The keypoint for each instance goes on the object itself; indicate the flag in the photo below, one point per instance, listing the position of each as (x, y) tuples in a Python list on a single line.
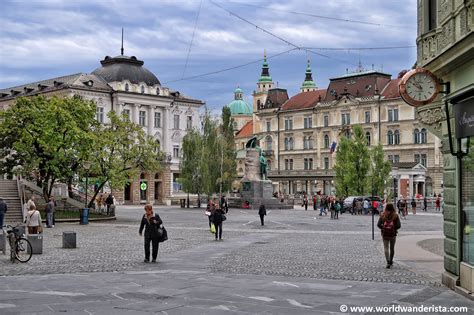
[(333, 147)]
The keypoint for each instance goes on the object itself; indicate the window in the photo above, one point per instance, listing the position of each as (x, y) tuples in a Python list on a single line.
[(420, 158), (308, 163), (189, 123), (269, 126), (157, 120), (326, 120), (396, 137), (307, 142), (310, 142), (346, 119), (99, 114), (326, 163), (291, 164), (367, 117), (288, 164), (308, 122), (176, 121), (258, 103), (423, 136), (390, 158), (390, 137), (291, 144), (127, 87), (288, 123), (126, 113), (432, 18), (287, 144), (367, 137), (416, 136), (157, 91), (393, 114), (396, 158), (176, 151), (142, 89), (141, 118), (326, 141), (268, 143)]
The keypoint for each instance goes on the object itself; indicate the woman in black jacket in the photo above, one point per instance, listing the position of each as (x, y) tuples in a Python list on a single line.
[(151, 222), (217, 218)]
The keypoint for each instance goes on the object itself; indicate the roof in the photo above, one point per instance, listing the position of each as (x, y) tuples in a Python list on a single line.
[(360, 84), (305, 100), (120, 68), (77, 80), (239, 107), (391, 89), (276, 97), (246, 131)]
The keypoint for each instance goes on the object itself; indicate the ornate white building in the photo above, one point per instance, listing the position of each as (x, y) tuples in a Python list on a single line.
[(123, 85)]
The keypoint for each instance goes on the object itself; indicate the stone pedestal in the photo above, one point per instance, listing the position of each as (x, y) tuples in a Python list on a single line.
[(69, 239)]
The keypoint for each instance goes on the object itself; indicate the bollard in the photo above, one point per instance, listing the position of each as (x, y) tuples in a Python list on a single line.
[(69, 239), (36, 241)]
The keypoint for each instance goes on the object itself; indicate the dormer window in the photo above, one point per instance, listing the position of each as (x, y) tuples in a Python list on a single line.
[(127, 87)]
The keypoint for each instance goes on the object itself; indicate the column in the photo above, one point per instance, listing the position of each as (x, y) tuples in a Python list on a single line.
[(134, 113), (166, 131), (151, 117), (410, 187)]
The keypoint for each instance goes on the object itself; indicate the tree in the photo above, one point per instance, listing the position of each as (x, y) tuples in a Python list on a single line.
[(46, 139), (344, 168), (379, 170), (228, 155), (209, 164), (190, 176), (122, 150)]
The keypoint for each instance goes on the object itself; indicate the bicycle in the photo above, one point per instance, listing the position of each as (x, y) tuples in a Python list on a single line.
[(20, 247)]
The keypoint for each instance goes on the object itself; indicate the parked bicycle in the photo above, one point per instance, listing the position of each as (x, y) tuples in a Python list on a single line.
[(20, 247)]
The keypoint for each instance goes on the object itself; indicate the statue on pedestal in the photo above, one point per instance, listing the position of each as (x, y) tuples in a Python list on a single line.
[(249, 163)]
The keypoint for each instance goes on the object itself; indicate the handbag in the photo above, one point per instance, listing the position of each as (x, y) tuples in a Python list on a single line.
[(223, 217), (164, 235), (40, 229), (213, 228)]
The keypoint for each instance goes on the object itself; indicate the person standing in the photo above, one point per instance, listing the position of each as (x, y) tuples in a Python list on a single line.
[(366, 206), (33, 221), (413, 206), (262, 212), (425, 204), (438, 203), (3, 210), (109, 201), (389, 224), (217, 219), (151, 222), (305, 203), (315, 202), (50, 207)]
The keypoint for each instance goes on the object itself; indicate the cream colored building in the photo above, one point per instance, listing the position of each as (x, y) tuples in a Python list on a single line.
[(297, 133)]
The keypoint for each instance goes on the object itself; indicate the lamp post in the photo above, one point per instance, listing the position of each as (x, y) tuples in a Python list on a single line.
[(373, 194), (85, 212)]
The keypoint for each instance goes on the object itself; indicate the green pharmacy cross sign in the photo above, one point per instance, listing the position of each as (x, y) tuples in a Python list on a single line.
[(143, 186)]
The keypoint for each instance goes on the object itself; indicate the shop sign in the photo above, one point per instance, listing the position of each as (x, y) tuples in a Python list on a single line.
[(464, 115)]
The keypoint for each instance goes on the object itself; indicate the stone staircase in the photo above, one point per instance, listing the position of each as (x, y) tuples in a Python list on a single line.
[(9, 193)]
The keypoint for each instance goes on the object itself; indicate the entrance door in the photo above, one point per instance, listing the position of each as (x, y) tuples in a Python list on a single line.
[(127, 192), (158, 192), (143, 191)]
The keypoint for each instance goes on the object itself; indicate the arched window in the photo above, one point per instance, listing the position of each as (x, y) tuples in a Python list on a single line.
[(305, 143), (258, 103), (423, 136), (310, 142), (142, 89), (326, 141), (291, 143), (127, 88), (416, 136), (287, 144), (157, 176), (396, 137), (390, 137), (268, 142), (367, 137), (142, 176), (235, 125)]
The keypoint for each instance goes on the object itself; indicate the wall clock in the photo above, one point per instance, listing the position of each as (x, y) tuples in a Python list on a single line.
[(418, 87)]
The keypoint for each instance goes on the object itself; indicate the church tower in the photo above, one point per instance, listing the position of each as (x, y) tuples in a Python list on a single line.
[(308, 84), (264, 84)]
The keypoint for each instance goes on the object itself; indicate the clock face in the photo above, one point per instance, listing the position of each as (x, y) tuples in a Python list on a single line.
[(419, 87)]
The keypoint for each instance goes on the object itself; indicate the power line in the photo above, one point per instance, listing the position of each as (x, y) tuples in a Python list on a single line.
[(360, 48), (192, 39), (320, 16), (230, 68)]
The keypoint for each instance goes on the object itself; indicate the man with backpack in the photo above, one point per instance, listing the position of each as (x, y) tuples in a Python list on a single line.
[(389, 224)]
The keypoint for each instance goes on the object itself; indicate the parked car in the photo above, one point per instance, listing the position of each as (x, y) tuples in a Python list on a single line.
[(347, 206)]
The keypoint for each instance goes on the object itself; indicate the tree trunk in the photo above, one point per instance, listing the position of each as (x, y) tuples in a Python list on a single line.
[(96, 192)]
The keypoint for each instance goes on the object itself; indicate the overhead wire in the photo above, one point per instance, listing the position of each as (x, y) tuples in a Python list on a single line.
[(192, 39)]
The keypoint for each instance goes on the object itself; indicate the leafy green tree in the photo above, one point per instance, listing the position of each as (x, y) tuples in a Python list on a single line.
[(360, 158), (344, 168), (46, 139), (190, 176), (121, 151), (379, 170), (209, 164), (228, 153)]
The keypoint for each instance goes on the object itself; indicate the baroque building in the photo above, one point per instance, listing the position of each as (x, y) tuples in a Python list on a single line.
[(445, 47), (122, 84), (299, 134)]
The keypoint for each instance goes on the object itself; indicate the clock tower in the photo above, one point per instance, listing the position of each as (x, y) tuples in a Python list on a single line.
[(264, 84)]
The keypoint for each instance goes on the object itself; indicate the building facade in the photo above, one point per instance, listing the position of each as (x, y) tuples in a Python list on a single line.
[(445, 46), (123, 85), (300, 134)]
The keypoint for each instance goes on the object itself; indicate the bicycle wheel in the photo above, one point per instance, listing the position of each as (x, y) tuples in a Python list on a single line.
[(23, 250)]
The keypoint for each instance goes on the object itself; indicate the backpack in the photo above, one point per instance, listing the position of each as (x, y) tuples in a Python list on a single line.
[(388, 229)]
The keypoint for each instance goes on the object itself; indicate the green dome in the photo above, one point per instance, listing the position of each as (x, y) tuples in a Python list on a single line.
[(238, 106)]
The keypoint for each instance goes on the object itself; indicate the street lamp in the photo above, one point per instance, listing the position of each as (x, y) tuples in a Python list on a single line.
[(373, 194), (85, 212)]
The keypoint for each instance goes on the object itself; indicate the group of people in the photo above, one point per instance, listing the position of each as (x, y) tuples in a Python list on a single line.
[(105, 201)]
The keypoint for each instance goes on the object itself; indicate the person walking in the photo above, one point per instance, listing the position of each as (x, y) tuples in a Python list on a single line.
[(438, 203), (389, 224), (3, 210), (305, 203), (413, 206), (359, 206), (50, 207), (33, 221), (366, 206), (262, 212), (315, 202), (151, 222), (401, 205), (425, 204), (217, 217)]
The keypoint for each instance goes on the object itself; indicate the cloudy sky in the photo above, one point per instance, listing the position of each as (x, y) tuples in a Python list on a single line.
[(182, 40)]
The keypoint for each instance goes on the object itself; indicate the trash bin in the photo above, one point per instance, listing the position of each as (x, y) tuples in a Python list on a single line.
[(36, 241), (84, 216), (183, 203)]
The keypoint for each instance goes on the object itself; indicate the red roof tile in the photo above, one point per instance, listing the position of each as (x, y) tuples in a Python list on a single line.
[(304, 100), (391, 89), (246, 131)]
